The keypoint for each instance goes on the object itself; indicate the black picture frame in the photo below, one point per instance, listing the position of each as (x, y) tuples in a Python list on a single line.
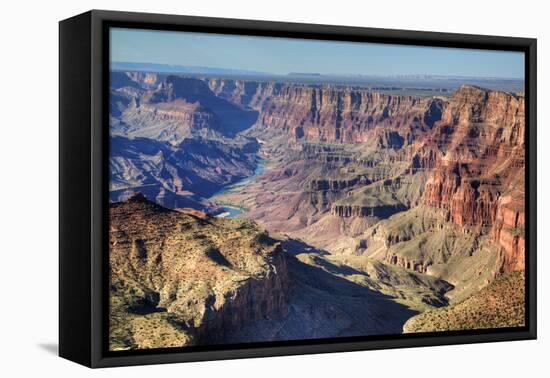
[(83, 196)]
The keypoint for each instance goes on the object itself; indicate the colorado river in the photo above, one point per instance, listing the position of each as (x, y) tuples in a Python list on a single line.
[(230, 210)]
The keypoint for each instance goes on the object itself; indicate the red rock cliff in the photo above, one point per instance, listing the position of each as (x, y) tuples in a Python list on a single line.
[(509, 232), (479, 175), (330, 113)]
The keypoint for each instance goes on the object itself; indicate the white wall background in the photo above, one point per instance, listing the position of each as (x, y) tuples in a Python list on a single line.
[(29, 186)]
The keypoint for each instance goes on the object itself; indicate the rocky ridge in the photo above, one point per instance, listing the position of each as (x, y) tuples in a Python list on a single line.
[(181, 279), (334, 114)]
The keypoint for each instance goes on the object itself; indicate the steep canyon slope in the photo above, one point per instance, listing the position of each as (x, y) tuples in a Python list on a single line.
[(377, 201), (183, 278), (425, 183)]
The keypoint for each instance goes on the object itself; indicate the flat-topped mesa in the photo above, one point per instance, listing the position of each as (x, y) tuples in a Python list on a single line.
[(174, 87), (175, 120), (175, 108), (480, 139), (331, 113), (338, 184), (333, 155)]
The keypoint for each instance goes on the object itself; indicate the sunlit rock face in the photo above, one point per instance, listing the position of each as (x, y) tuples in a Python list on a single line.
[(351, 203), (334, 114)]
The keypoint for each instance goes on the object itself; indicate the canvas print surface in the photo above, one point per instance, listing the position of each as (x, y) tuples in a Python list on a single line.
[(271, 189)]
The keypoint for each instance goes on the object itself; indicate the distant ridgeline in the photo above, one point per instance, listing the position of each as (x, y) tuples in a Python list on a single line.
[(420, 84)]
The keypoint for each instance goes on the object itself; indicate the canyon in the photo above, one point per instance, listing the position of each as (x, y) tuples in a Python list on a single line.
[(371, 209)]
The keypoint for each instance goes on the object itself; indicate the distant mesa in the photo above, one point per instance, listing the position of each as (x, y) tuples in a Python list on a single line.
[(311, 74), (181, 69)]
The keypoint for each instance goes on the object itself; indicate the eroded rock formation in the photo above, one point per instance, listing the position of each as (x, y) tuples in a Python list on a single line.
[(480, 177), (334, 114), (189, 278), (416, 188)]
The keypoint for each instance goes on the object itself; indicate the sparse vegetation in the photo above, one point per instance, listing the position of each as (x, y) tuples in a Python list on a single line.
[(499, 305), (517, 231), (191, 269)]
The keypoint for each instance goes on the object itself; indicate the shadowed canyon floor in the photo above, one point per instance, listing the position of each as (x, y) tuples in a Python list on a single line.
[(353, 212)]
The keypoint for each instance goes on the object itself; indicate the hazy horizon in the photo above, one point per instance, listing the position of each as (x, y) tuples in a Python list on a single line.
[(412, 75), (283, 56)]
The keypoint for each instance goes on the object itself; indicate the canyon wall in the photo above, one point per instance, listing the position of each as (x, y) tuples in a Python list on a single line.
[(201, 275), (479, 177), (333, 114), (471, 144), (461, 154), (509, 231), (434, 186)]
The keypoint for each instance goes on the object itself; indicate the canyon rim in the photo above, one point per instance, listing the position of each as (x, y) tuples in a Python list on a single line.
[(249, 206)]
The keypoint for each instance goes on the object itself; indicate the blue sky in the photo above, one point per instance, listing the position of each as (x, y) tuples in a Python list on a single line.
[(284, 55)]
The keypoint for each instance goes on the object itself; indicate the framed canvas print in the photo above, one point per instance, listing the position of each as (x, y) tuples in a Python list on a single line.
[(233, 188)]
